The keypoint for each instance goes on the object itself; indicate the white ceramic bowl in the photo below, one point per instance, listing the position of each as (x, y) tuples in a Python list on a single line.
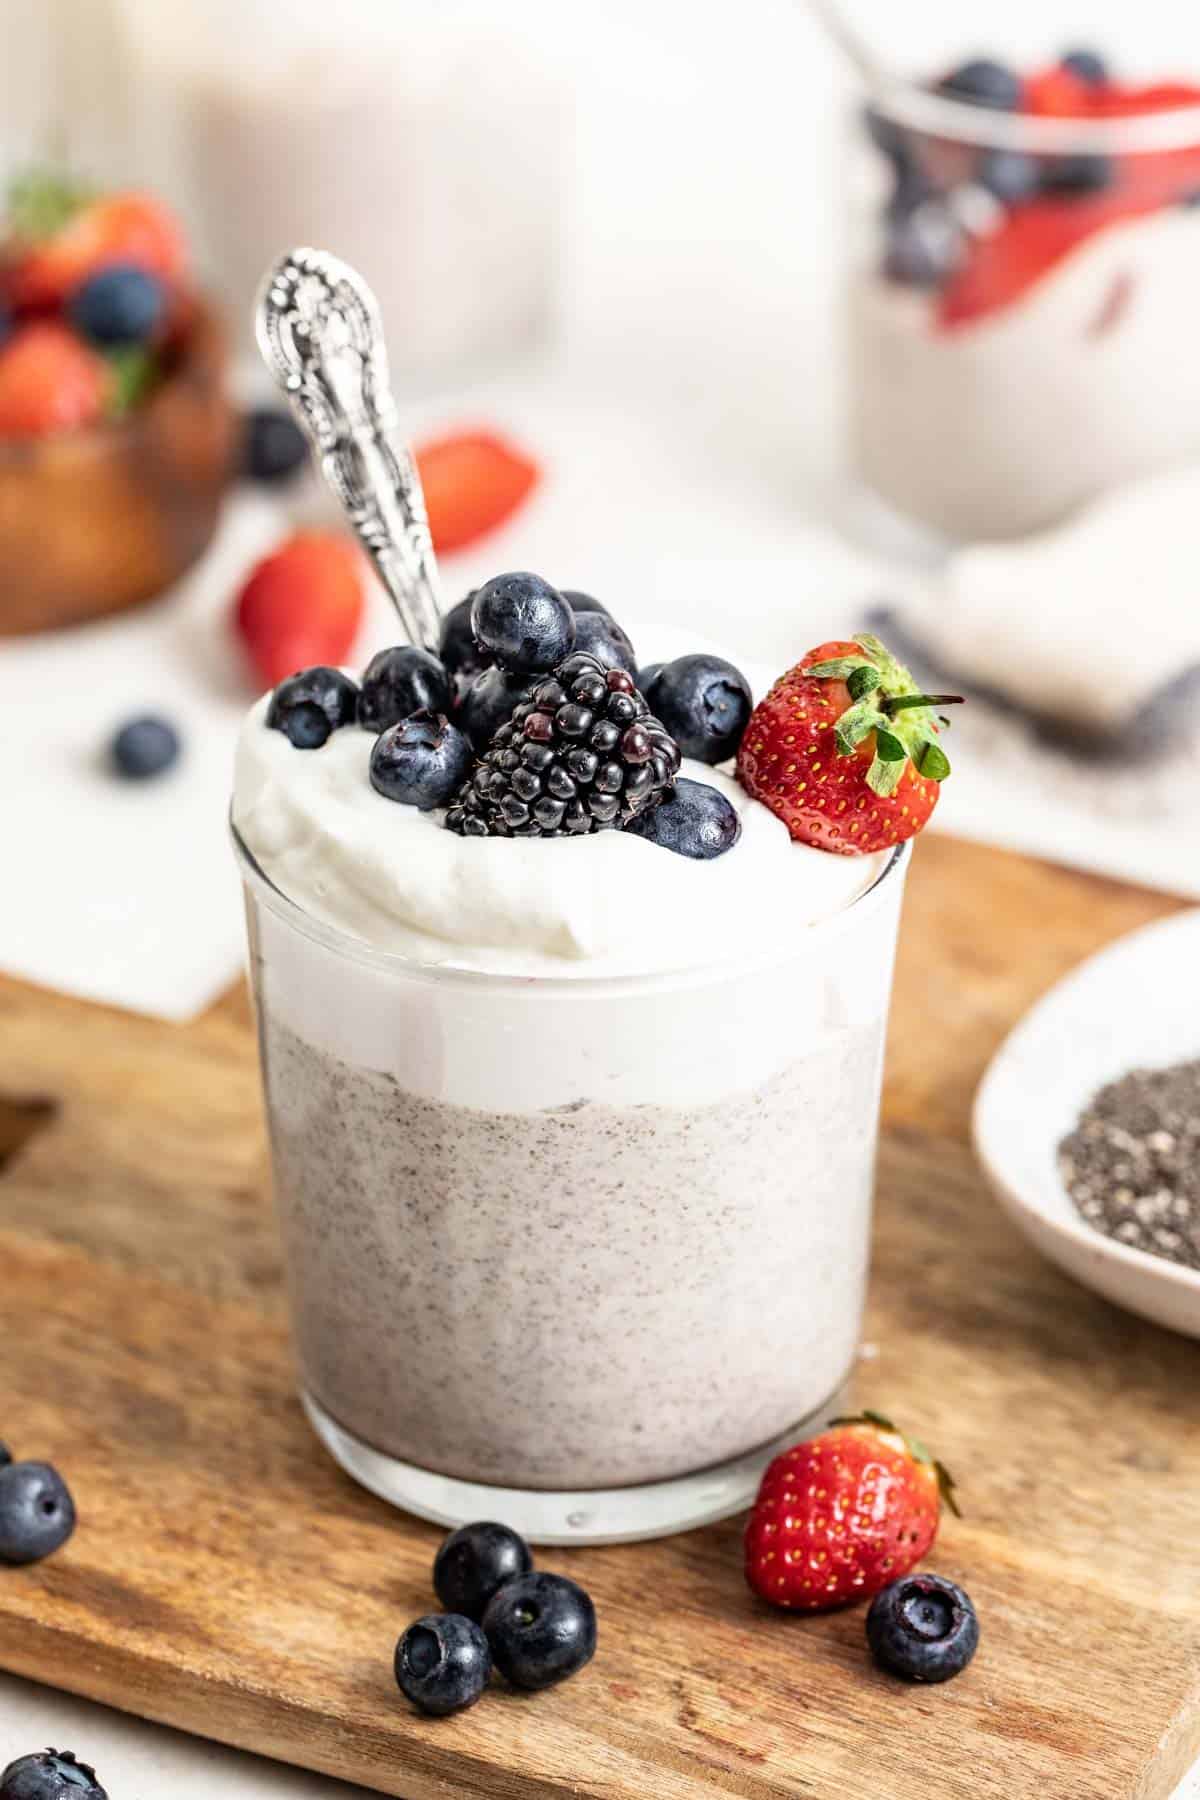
[(1133, 1005)]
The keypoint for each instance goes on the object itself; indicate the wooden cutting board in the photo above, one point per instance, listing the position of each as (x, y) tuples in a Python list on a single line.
[(227, 1578)]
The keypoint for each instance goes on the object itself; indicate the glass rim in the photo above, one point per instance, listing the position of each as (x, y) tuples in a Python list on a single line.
[(344, 943), (935, 115)]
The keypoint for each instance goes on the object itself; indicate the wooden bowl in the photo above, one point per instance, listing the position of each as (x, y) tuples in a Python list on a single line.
[(99, 520)]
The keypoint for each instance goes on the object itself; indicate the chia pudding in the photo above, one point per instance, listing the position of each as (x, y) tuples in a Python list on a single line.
[(584, 1296), (573, 1140)]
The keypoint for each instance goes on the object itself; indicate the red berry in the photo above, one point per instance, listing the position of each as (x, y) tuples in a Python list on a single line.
[(302, 605), (856, 797), (840, 1517), (50, 381), (473, 481), (119, 228)]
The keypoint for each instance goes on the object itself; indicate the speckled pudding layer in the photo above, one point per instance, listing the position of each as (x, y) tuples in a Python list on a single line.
[(584, 1297)]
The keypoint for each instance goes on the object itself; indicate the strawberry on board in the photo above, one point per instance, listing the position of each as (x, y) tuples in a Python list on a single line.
[(60, 236), (50, 381), (302, 605), (844, 749), (473, 481), (840, 1517)]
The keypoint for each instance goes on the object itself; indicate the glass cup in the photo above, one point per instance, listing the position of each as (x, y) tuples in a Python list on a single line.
[(1021, 334), (576, 1254)]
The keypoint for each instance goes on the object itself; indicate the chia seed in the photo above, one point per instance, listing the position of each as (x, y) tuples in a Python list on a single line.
[(1132, 1163)]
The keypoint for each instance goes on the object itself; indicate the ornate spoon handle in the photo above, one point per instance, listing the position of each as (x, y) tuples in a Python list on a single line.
[(320, 334)]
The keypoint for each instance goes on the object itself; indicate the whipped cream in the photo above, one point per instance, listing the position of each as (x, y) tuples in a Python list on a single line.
[(606, 904), (998, 427)]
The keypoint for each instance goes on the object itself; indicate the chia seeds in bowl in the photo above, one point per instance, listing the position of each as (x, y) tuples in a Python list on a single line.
[(1132, 1163)]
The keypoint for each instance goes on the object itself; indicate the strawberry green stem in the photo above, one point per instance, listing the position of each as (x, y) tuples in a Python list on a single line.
[(900, 701)]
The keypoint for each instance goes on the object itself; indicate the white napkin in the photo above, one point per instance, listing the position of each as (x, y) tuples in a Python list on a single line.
[(1090, 623), (121, 891)]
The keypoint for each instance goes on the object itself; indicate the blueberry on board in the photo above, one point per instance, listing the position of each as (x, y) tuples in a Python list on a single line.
[(37, 1513), (600, 636), (421, 762), (522, 622), (118, 305), (541, 1628), (50, 1775), (983, 82), (1088, 65), (398, 682), (475, 1562), (144, 747), (273, 445), (443, 1663), (310, 705), (460, 655), (1080, 174), (705, 705), (694, 821), (1008, 174), (580, 602), (488, 704), (923, 1628)]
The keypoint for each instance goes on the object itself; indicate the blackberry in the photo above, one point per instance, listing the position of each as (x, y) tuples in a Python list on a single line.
[(582, 752)]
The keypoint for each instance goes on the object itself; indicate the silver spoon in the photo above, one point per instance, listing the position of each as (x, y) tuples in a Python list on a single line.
[(320, 334)]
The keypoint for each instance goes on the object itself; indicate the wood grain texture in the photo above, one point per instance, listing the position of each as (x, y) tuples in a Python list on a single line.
[(225, 1577)]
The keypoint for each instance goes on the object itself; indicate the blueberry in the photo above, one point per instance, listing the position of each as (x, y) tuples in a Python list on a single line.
[(923, 1627), (579, 602), (5, 1456), (50, 1775), (443, 1663), (705, 705), (694, 821), (984, 83), (273, 445), (1008, 174), (913, 188), (647, 677), (119, 305), (37, 1514), (599, 634), (488, 704), (888, 136), (1080, 174), (421, 762), (461, 656), (309, 705), (523, 623), (1088, 65), (144, 747), (398, 682), (924, 248), (475, 1562), (541, 1629)]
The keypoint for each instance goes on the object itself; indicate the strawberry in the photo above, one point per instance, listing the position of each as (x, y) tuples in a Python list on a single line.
[(50, 381), (839, 1518), (55, 249), (473, 481), (844, 749), (302, 605)]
